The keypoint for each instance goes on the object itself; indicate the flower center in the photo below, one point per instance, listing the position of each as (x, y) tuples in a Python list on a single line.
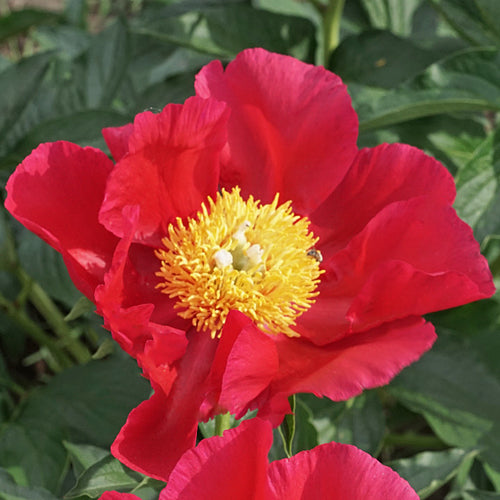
[(242, 255)]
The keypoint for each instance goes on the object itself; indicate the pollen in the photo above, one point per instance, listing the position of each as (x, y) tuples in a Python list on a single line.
[(240, 255)]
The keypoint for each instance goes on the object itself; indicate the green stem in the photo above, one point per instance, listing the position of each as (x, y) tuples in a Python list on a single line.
[(222, 423), (55, 319), (59, 360), (412, 440), (332, 14)]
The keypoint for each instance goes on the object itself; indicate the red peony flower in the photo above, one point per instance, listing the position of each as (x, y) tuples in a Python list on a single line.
[(242, 248), (236, 466)]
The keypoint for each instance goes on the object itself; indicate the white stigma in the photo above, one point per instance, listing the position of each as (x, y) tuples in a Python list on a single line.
[(223, 258)]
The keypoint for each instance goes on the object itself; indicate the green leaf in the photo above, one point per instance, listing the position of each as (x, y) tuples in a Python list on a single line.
[(19, 21), (392, 14), (86, 404), (83, 456), (287, 428), (9, 490), (225, 31), (468, 81), (69, 41), (480, 495), (82, 306), (428, 471), (107, 474), (380, 59), (17, 85), (477, 184), (46, 266), (457, 395), (306, 436), (474, 21), (85, 130), (362, 423), (359, 421), (107, 61)]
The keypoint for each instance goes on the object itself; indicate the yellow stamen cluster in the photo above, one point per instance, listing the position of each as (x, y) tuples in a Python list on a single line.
[(240, 255)]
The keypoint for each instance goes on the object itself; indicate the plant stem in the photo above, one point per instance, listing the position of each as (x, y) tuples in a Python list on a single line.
[(331, 15), (46, 307), (413, 440), (222, 423), (59, 359)]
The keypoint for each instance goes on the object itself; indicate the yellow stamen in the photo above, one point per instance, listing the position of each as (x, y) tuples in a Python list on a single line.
[(240, 255)]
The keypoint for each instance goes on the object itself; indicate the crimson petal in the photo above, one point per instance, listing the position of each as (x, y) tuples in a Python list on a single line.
[(337, 472), (56, 192), (171, 167), (292, 129)]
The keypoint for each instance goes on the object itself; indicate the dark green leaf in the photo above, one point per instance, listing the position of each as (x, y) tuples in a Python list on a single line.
[(107, 474), (287, 428), (474, 21), (46, 266), (83, 456), (362, 423), (9, 490), (306, 436), (225, 31), (428, 471), (86, 404), (19, 21), (468, 81), (107, 61), (480, 495), (85, 130), (457, 395), (380, 59), (359, 421), (17, 85), (477, 184), (394, 15)]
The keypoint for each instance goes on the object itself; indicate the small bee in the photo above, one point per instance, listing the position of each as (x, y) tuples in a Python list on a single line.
[(315, 254)]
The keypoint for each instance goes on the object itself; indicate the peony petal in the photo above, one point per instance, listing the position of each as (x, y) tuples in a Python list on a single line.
[(125, 283), (378, 177), (162, 428), (251, 366), (345, 368), (171, 168), (117, 139), (337, 472), (414, 257), (418, 257), (292, 128), (114, 495), (224, 468), (56, 192)]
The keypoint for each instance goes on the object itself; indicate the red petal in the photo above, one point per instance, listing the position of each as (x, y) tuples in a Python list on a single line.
[(377, 178), (114, 495), (292, 128), (345, 368), (162, 428), (148, 309), (229, 467), (117, 139), (251, 366), (412, 258), (56, 192), (171, 168), (337, 472)]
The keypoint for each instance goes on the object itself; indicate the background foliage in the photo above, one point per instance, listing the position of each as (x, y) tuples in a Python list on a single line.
[(424, 72)]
